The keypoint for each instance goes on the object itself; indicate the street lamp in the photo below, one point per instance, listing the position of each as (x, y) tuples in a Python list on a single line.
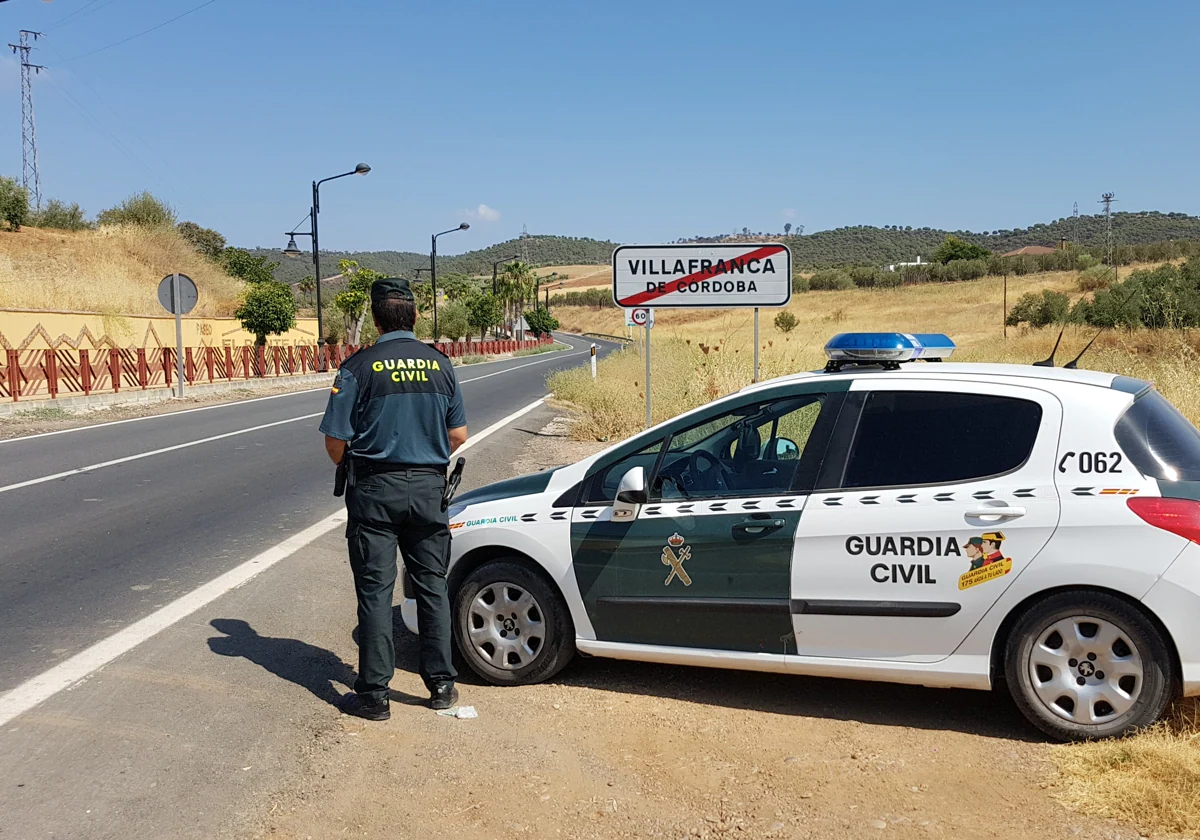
[(538, 285), (433, 271), (497, 263), (548, 288), (293, 251)]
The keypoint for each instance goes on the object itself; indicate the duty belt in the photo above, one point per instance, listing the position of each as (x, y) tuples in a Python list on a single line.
[(364, 467)]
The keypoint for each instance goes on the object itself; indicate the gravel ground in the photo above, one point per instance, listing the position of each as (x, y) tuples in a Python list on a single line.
[(615, 750)]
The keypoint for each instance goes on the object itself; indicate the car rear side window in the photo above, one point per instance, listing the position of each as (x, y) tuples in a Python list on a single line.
[(907, 438), (1158, 440)]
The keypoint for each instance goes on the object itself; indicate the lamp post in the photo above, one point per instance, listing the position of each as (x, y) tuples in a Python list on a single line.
[(497, 263), (537, 287), (548, 288), (292, 251), (433, 271)]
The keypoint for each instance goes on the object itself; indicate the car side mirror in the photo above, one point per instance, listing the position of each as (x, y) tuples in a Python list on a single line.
[(785, 450), (631, 495)]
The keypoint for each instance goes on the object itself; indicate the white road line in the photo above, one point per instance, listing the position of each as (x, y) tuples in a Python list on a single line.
[(83, 664), (161, 416), (140, 455), (551, 357)]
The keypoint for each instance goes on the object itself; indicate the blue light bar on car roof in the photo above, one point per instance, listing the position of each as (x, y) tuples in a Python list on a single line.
[(887, 347)]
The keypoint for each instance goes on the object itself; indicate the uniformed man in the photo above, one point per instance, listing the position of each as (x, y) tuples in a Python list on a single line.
[(973, 548), (397, 413), (991, 547)]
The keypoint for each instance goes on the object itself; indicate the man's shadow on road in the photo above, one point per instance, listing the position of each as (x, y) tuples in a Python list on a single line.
[(308, 666)]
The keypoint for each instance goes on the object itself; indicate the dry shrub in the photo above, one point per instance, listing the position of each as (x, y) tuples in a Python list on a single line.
[(1151, 779), (111, 270)]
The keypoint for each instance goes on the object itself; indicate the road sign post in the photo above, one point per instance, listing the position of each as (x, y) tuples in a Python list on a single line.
[(649, 421), (593, 362), (178, 295), (755, 344), (707, 275)]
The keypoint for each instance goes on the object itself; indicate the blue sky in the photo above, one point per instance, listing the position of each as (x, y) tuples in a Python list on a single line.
[(638, 122)]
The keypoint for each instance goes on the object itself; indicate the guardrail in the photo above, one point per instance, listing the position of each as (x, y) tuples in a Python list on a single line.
[(66, 371), (608, 337)]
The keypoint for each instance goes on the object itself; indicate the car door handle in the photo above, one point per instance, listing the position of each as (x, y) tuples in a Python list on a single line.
[(996, 514), (757, 527)]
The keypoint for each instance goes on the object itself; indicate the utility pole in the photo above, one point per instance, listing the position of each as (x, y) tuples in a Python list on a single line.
[(31, 180), (1107, 200), (1075, 224)]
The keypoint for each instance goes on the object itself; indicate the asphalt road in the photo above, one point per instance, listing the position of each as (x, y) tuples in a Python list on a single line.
[(190, 496)]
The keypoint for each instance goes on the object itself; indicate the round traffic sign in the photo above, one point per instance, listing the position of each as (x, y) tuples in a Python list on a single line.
[(640, 317), (188, 294)]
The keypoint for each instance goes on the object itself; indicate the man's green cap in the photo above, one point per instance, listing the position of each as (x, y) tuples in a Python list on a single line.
[(390, 287), (975, 541)]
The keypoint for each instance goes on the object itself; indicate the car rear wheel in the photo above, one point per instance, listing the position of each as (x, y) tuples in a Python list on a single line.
[(511, 626), (1086, 665)]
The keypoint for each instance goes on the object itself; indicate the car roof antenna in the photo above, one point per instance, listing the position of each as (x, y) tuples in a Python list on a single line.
[(1071, 365), (1049, 362)]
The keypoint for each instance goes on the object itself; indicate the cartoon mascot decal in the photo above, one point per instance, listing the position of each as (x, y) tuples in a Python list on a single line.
[(987, 560)]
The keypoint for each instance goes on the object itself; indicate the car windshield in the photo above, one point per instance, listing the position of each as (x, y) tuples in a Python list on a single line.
[(1158, 440)]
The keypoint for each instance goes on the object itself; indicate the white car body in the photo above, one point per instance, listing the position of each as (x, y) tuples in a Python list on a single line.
[(857, 610)]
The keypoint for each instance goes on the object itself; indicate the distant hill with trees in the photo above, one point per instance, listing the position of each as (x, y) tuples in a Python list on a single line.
[(543, 250), (840, 247)]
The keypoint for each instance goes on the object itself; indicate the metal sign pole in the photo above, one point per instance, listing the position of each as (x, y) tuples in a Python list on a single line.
[(177, 305), (648, 421), (755, 345)]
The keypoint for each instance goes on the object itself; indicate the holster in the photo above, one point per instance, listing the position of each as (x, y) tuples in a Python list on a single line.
[(343, 476)]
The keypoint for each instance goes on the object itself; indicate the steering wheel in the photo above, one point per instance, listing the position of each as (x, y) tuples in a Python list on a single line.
[(714, 477)]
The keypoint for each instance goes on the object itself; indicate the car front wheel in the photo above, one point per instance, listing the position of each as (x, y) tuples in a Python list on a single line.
[(511, 626), (1086, 665)]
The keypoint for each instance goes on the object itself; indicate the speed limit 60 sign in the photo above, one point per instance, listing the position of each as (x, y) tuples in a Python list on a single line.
[(641, 317)]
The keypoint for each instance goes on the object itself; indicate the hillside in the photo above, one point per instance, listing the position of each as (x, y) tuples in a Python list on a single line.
[(543, 250), (113, 270), (858, 245)]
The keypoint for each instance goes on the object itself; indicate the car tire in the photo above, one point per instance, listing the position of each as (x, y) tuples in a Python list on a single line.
[(1055, 662), (494, 606)]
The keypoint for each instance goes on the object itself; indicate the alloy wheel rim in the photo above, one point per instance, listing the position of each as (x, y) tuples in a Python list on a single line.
[(506, 626), (1086, 670)]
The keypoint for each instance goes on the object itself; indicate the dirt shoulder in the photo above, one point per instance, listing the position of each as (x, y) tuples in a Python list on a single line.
[(617, 749)]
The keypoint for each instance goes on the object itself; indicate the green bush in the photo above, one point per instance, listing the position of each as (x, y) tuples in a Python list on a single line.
[(785, 322), (830, 280), (453, 320), (243, 265), (267, 309), (1039, 310), (953, 248), (205, 240), (1095, 277), (541, 322), (799, 283), (141, 209), (865, 276), (14, 203), (483, 311), (1166, 297), (58, 215), (1085, 261), (588, 297), (423, 329)]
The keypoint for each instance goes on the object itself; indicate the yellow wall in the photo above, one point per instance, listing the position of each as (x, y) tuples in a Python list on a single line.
[(40, 330)]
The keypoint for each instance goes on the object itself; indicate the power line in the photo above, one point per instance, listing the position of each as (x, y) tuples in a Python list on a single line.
[(140, 34), (78, 13)]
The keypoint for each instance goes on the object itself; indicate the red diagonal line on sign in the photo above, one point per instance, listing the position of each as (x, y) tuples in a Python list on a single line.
[(645, 297)]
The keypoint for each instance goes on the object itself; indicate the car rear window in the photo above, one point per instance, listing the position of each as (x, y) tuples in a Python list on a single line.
[(908, 438), (1158, 440)]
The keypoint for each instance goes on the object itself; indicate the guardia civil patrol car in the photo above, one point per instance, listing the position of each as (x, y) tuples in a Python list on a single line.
[(955, 525)]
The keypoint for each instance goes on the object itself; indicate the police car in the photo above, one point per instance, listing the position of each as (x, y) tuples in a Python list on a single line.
[(953, 525)]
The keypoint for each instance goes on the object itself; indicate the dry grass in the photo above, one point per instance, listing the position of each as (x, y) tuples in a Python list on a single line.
[(1151, 779), (686, 374), (110, 270)]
